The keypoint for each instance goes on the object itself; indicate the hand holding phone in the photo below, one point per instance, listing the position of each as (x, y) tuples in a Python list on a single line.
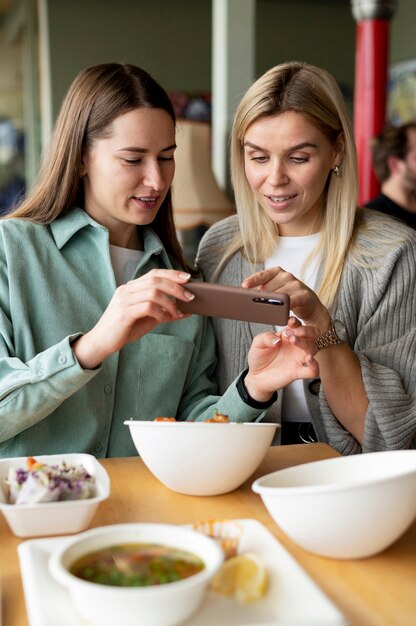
[(237, 303)]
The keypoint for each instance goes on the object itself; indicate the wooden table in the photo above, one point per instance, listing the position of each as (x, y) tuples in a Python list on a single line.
[(379, 591)]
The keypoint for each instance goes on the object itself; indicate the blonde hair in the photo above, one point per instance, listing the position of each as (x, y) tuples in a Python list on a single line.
[(96, 97), (313, 92)]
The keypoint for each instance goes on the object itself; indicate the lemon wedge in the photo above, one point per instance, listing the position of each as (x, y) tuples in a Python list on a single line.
[(243, 577)]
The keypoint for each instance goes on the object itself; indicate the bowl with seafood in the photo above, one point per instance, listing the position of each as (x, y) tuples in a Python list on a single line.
[(51, 494), (201, 458), (346, 507), (148, 574)]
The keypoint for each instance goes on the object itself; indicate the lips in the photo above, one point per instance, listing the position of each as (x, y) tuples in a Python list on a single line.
[(279, 199), (146, 202), (149, 199)]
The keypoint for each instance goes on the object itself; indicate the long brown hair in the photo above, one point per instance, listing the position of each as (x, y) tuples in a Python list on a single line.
[(96, 97)]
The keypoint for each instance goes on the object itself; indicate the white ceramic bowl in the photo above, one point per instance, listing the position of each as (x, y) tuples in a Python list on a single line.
[(159, 605), (53, 518), (200, 458), (347, 507)]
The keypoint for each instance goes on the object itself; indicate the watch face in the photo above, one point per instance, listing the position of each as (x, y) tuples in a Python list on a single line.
[(340, 330)]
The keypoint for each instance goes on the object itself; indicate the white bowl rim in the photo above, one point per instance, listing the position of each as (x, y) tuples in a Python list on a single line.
[(185, 424), (45, 458), (58, 554), (102, 478), (265, 490)]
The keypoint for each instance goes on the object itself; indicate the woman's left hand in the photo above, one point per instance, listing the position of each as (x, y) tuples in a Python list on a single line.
[(304, 302), (339, 367), (277, 360)]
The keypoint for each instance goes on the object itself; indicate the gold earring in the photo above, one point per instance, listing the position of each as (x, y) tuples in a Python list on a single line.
[(336, 171)]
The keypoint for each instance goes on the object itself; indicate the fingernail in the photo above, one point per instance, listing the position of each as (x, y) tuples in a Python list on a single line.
[(188, 295), (179, 313), (184, 275), (276, 340), (288, 332)]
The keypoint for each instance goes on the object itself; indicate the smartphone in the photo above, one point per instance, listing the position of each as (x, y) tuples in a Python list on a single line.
[(237, 303)]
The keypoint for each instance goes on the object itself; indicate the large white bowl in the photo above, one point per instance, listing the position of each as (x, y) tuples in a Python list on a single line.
[(200, 458), (53, 518), (347, 507), (159, 605)]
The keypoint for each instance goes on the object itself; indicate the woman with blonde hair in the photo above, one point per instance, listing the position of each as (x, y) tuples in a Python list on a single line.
[(91, 273), (350, 272)]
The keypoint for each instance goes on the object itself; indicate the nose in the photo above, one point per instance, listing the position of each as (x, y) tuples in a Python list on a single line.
[(152, 176), (277, 174)]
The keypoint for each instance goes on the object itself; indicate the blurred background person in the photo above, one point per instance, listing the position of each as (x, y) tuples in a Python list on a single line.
[(394, 159)]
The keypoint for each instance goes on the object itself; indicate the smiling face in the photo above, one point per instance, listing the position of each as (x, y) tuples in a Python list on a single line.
[(287, 161), (128, 173)]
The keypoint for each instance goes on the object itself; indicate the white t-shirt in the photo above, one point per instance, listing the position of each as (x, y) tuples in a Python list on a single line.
[(124, 262), (290, 255)]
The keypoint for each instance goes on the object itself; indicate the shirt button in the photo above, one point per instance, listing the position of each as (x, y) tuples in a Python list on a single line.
[(62, 360), (107, 389), (98, 447), (41, 371)]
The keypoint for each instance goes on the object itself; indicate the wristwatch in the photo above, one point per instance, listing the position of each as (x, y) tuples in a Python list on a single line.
[(335, 335)]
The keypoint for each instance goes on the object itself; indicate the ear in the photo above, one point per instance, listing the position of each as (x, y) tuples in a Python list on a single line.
[(83, 167), (339, 150), (393, 163)]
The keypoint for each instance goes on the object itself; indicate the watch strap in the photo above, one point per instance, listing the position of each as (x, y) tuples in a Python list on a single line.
[(329, 338), (247, 399)]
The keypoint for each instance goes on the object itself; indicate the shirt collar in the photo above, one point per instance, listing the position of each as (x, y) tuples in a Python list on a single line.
[(63, 228), (152, 245)]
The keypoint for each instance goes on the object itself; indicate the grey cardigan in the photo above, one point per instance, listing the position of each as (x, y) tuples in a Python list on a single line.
[(378, 308)]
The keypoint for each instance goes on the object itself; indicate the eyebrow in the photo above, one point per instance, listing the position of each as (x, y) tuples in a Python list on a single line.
[(144, 150), (299, 146)]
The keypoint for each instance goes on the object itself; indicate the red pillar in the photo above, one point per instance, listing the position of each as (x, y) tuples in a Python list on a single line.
[(370, 94), (369, 98)]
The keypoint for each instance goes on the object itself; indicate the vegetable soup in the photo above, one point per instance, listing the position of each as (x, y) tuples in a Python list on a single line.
[(137, 565)]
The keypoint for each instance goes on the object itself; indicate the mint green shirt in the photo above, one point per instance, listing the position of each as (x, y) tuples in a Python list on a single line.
[(55, 282)]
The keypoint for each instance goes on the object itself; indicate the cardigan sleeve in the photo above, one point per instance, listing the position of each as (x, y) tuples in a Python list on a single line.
[(378, 307), (377, 302)]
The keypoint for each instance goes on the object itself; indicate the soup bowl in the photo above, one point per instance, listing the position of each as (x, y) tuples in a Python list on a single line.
[(201, 458), (347, 507), (155, 605)]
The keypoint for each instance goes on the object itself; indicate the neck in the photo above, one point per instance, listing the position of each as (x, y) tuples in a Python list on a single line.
[(129, 239), (404, 197)]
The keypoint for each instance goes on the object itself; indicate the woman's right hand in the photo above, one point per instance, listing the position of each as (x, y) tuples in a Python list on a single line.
[(304, 302), (135, 309)]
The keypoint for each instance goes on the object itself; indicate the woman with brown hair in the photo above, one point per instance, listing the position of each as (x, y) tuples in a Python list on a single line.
[(90, 271)]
